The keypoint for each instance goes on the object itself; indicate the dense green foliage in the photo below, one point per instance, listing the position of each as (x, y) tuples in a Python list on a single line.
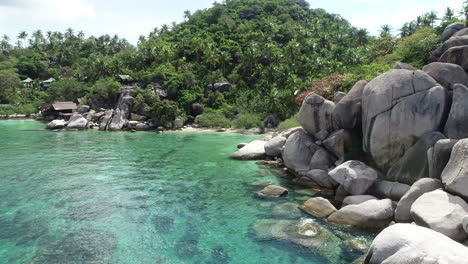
[(271, 51)]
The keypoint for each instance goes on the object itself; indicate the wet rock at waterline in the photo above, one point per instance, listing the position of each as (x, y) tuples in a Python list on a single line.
[(409, 244), (372, 214), (441, 212), (255, 150), (321, 178), (287, 211), (398, 108), (447, 74), (315, 114), (84, 246), (422, 186), (272, 191), (347, 113), (318, 207), (305, 232), (274, 146), (457, 122), (455, 175), (355, 176), (56, 124), (77, 121), (414, 164)]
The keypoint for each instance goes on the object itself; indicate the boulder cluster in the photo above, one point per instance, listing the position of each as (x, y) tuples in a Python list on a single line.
[(120, 118), (394, 151)]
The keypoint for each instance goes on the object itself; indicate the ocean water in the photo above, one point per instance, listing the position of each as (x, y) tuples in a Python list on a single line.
[(99, 197)]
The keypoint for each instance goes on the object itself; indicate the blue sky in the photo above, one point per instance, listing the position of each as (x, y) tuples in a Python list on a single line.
[(131, 19)]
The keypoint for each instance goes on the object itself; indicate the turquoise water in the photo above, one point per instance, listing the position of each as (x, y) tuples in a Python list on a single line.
[(98, 197)]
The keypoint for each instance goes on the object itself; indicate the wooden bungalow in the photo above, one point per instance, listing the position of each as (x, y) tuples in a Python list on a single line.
[(28, 83), (62, 110), (47, 83)]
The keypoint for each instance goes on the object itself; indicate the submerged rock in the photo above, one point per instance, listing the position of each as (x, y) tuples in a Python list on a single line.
[(409, 244), (305, 232), (372, 214), (441, 212), (273, 191), (287, 210), (255, 150), (318, 207)]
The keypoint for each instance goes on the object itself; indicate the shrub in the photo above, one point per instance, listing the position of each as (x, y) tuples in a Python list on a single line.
[(164, 112), (325, 87), (289, 123), (365, 72), (415, 48), (103, 94), (212, 118), (26, 109), (66, 89), (249, 120)]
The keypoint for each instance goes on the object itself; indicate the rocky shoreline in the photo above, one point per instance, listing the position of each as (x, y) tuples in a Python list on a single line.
[(393, 151)]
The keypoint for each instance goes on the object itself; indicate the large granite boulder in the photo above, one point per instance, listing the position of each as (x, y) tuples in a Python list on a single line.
[(357, 199), (446, 74), (457, 122), (56, 124), (255, 150), (123, 110), (355, 176), (441, 212), (321, 178), (438, 156), (372, 214), (289, 132), (388, 189), (106, 119), (411, 244), (271, 121), (461, 33), (347, 113), (197, 109), (451, 29), (83, 109), (456, 55), (414, 164), (274, 146), (455, 175), (322, 160), (402, 212), (335, 143), (398, 108), (77, 121), (217, 87), (315, 114), (318, 207), (298, 151), (450, 43)]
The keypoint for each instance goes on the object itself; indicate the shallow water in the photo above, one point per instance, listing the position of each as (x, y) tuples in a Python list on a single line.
[(97, 197)]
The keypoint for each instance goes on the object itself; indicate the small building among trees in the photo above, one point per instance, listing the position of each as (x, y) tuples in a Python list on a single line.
[(28, 83), (58, 110), (47, 83)]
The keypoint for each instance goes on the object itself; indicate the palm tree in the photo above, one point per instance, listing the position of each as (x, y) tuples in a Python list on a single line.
[(449, 14), (23, 35), (363, 36), (432, 17), (187, 14), (385, 31)]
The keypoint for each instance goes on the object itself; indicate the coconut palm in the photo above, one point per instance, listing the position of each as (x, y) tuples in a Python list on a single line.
[(23, 35)]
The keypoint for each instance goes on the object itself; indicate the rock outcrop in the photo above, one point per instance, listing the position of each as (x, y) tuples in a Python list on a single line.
[(441, 212), (409, 244), (77, 121), (456, 55), (355, 176), (318, 207), (255, 150), (56, 124), (457, 122), (372, 214), (347, 113), (274, 146), (298, 151), (388, 189), (451, 29), (446, 74), (315, 114), (455, 175), (357, 199), (398, 108)]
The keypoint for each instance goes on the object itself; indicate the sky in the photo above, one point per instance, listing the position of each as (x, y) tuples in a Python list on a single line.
[(130, 19)]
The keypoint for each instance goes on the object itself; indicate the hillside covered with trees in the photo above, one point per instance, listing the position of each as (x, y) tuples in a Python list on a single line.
[(273, 52)]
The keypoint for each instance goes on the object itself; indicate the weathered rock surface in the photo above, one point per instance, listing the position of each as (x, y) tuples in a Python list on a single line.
[(338, 96), (315, 114), (455, 175), (388, 189), (197, 109), (461, 33), (450, 43), (322, 160), (438, 156), (56, 124), (457, 122), (271, 121), (122, 111), (446, 74), (274, 146), (422, 186), (318, 207), (441, 212), (288, 132), (403, 66), (456, 55), (335, 143), (77, 121), (355, 176), (370, 214), (347, 113), (106, 119), (304, 232), (411, 244), (321, 178), (357, 199), (178, 123), (255, 150), (398, 107), (217, 87), (451, 29), (83, 109), (273, 191), (298, 151), (414, 164)]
